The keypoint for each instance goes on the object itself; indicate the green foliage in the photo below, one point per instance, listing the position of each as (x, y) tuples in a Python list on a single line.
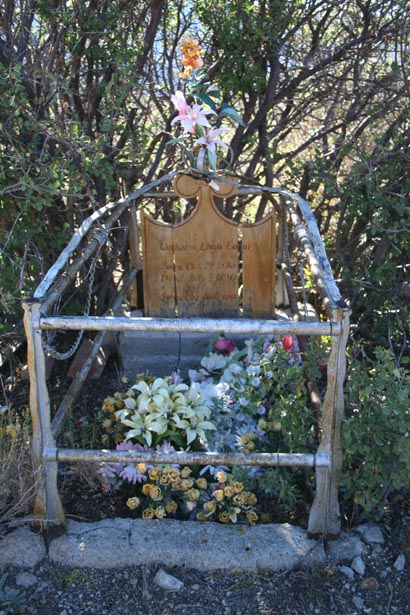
[(63, 113), (375, 431), (374, 239), (244, 36)]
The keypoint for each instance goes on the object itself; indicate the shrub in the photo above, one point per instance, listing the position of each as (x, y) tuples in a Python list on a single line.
[(375, 431)]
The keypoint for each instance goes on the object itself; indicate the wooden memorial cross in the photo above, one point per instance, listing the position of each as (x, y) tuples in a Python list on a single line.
[(195, 268)]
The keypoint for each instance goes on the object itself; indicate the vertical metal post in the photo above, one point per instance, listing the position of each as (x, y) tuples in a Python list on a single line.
[(324, 516), (48, 509)]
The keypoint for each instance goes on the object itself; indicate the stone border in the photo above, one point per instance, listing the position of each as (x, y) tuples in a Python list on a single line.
[(116, 543)]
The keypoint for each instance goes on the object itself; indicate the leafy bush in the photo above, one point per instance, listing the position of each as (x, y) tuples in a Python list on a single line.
[(375, 431)]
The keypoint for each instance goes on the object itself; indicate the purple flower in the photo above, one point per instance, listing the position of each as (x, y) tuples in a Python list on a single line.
[(132, 473)]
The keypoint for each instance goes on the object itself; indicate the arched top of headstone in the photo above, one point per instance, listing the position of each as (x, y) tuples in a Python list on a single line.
[(208, 265)]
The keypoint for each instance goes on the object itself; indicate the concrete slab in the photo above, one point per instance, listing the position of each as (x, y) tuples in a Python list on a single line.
[(116, 543), (202, 546), (159, 354), (21, 548)]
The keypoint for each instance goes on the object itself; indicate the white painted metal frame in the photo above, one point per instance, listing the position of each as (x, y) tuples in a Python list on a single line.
[(325, 516)]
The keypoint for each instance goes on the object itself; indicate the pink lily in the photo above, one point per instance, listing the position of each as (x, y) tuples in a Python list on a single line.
[(193, 116), (210, 139), (180, 103)]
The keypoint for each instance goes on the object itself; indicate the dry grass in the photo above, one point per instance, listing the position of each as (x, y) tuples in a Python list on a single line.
[(17, 470)]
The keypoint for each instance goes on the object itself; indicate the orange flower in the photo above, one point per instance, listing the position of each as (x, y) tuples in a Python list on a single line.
[(191, 56)]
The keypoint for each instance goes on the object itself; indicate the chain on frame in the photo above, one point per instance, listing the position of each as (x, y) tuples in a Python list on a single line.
[(62, 356)]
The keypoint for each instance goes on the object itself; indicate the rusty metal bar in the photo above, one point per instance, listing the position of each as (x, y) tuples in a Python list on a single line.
[(190, 458), (190, 325)]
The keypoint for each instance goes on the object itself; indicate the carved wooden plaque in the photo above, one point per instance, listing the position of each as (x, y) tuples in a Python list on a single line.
[(193, 268)]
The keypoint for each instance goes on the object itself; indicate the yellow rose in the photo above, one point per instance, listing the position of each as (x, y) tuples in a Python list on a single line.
[(160, 512), (239, 499), (185, 472), (193, 494), (173, 474), (187, 483), (210, 507), (171, 507), (229, 491), (243, 440), (218, 495), (177, 483), (201, 483), (164, 479), (250, 499), (201, 516), (148, 513), (251, 517), (146, 489), (141, 467), (153, 473), (155, 493), (238, 487), (221, 477), (223, 517), (133, 503)]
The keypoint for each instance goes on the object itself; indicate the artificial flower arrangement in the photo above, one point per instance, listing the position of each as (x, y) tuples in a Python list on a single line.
[(158, 409), (245, 399), (201, 103), (168, 415), (255, 392)]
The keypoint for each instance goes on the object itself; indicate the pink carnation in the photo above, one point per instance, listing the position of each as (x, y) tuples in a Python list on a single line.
[(224, 346)]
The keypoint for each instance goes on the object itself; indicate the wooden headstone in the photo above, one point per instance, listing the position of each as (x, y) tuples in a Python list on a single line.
[(193, 268)]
